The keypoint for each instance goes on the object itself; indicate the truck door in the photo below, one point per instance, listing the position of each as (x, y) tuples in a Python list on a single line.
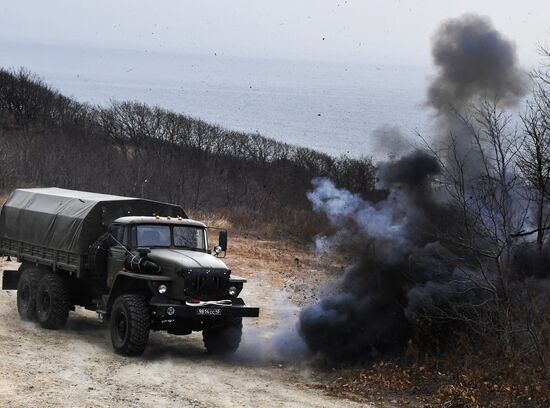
[(117, 252)]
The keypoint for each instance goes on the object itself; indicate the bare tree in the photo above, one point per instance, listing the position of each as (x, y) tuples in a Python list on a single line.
[(484, 189), (534, 163)]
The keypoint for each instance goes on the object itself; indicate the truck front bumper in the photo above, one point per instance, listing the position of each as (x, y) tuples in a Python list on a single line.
[(166, 308)]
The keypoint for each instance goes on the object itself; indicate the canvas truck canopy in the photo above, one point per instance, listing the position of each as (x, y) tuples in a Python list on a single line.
[(69, 220)]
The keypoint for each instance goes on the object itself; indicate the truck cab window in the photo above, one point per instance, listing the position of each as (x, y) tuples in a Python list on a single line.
[(153, 236), (189, 237)]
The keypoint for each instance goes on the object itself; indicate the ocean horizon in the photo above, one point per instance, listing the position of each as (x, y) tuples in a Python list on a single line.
[(327, 106)]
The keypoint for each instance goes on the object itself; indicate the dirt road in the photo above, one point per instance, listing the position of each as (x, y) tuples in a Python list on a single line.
[(75, 367)]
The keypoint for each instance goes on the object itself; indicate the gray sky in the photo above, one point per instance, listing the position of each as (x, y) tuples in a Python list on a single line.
[(365, 31)]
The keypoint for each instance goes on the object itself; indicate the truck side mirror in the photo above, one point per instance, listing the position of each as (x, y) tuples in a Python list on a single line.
[(223, 240)]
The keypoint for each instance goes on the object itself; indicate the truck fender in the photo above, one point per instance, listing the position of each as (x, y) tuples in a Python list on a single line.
[(134, 283)]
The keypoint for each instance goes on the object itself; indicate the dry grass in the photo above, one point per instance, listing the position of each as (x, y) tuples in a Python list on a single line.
[(295, 226), (292, 267), (448, 381), (212, 219)]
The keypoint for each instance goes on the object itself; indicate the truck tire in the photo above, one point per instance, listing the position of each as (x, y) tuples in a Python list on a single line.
[(52, 301), (223, 339), (130, 324), (26, 293)]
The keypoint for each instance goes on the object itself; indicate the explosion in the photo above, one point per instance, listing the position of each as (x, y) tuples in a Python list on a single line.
[(414, 259)]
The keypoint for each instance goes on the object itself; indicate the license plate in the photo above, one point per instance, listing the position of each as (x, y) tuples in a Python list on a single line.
[(208, 311)]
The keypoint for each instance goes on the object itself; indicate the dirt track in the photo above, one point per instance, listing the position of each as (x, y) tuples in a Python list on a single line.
[(75, 367)]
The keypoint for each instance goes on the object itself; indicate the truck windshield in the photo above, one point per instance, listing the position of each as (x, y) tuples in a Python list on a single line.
[(184, 236)]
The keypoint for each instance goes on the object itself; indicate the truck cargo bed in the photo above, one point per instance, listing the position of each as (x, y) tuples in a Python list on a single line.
[(43, 256)]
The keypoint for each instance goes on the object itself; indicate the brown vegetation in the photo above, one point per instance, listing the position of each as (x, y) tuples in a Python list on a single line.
[(451, 381)]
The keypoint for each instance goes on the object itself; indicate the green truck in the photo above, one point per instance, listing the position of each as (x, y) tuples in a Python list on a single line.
[(140, 264)]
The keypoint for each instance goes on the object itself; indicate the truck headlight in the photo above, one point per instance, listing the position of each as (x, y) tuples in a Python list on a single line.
[(162, 289), (233, 291)]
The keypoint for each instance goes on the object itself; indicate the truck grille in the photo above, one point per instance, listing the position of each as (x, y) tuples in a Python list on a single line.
[(204, 283)]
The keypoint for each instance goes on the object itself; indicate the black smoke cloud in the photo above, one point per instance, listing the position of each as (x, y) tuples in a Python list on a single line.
[(404, 268), (474, 60), (400, 272), (475, 64), (391, 140), (411, 170)]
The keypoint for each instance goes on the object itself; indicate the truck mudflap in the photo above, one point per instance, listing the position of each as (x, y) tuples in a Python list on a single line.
[(10, 279), (162, 307)]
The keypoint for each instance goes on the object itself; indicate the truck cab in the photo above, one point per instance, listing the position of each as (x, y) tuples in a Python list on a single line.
[(173, 244), (187, 287)]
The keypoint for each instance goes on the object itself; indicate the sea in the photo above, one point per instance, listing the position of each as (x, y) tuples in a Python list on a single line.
[(333, 107)]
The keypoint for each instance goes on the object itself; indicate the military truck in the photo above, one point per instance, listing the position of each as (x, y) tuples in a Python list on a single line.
[(141, 265)]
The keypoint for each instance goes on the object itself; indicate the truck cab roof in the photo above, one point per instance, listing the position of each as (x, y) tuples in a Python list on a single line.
[(158, 220)]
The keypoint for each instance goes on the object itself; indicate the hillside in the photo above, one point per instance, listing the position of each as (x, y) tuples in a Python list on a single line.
[(128, 148)]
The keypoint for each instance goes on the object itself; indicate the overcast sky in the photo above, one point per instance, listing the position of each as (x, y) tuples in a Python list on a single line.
[(353, 30)]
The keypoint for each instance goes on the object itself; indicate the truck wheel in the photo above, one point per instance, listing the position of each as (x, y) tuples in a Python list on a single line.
[(52, 301), (223, 339), (130, 323), (26, 293)]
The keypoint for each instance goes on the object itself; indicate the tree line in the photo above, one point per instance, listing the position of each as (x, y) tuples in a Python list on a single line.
[(130, 148)]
